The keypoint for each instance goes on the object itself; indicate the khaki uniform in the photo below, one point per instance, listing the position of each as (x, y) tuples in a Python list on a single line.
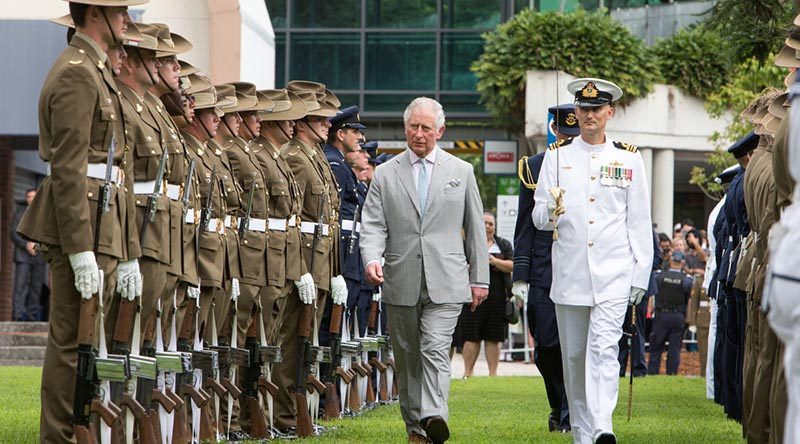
[(79, 115), (699, 314)]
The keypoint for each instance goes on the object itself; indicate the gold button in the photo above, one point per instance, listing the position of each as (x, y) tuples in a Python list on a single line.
[(283, 192), (594, 177), (591, 243), (591, 221), (108, 99), (591, 199), (245, 241), (308, 245), (138, 202), (91, 194), (152, 151), (113, 117), (82, 51), (149, 138)]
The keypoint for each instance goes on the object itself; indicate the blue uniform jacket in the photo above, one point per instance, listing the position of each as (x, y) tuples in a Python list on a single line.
[(532, 247), (349, 200), (720, 234), (736, 224)]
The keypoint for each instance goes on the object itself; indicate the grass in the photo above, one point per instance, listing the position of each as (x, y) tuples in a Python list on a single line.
[(666, 409)]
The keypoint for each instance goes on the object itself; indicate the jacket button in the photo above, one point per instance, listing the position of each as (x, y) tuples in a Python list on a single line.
[(591, 243), (591, 199), (594, 155), (419, 256), (591, 221), (594, 177)]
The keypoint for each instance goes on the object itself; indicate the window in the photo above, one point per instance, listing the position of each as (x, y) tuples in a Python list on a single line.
[(459, 50), (277, 13), (401, 61), (326, 14), (402, 14), (330, 58), (280, 59), (392, 103), (472, 14), (461, 103)]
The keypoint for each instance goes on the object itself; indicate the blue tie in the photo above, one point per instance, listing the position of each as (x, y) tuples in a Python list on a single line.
[(422, 186)]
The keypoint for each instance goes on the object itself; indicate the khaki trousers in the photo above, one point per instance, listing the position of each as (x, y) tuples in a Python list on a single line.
[(753, 415), (60, 359)]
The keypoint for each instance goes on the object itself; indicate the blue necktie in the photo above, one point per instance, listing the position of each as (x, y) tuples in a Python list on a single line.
[(422, 186)]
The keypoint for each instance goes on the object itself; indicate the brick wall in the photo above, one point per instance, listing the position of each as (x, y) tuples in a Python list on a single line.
[(6, 219)]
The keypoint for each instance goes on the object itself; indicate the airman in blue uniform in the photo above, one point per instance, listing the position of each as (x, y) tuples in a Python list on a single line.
[(532, 275)]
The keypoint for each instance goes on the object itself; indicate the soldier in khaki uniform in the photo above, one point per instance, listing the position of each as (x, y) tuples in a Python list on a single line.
[(698, 318), (314, 179), (79, 119)]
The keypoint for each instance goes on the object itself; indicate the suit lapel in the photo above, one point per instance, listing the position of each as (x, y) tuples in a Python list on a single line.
[(405, 173), (438, 178)]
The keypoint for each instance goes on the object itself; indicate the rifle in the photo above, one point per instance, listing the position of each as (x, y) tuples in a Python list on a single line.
[(205, 215), (181, 431), (244, 224), (305, 427), (152, 199), (207, 361), (187, 188), (254, 378)]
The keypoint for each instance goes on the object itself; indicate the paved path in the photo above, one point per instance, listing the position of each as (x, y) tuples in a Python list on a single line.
[(515, 368)]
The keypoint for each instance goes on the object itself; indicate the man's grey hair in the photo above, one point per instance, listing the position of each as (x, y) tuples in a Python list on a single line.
[(428, 104)]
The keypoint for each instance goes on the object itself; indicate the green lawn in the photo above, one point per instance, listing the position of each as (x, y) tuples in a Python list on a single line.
[(666, 409)]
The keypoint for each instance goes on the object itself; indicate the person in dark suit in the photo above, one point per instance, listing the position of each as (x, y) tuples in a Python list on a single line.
[(29, 271), (532, 276)]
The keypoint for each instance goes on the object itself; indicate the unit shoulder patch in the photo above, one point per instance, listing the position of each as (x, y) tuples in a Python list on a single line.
[(626, 146), (559, 144)]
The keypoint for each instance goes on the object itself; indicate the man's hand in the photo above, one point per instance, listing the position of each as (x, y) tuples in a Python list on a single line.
[(693, 329), (31, 247), (478, 296), (87, 276), (306, 289), (192, 292), (636, 295), (338, 290), (129, 279), (520, 291), (374, 273)]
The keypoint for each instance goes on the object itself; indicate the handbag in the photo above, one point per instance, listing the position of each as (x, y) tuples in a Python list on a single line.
[(512, 312)]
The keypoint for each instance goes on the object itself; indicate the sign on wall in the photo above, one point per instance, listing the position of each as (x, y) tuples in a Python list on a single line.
[(500, 157)]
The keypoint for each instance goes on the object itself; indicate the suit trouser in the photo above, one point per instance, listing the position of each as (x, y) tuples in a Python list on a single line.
[(421, 338), (285, 372), (754, 415), (590, 346), (61, 357), (547, 353), (712, 341), (668, 326), (29, 277), (733, 403), (719, 352)]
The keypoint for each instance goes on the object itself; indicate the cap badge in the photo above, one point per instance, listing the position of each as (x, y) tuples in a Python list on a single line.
[(589, 91), (571, 119)]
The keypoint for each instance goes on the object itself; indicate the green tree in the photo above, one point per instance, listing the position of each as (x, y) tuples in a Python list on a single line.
[(581, 43), (690, 60)]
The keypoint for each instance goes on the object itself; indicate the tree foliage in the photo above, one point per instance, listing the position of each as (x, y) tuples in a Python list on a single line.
[(585, 44), (690, 60)]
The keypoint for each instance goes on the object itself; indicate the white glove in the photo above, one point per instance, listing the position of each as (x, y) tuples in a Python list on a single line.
[(520, 291), (129, 279), (235, 289), (192, 292), (693, 329), (376, 297), (87, 276), (636, 295), (338, 290), (306, 289)]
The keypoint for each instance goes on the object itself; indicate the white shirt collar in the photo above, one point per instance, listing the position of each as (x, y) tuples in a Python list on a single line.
[(431, 157)]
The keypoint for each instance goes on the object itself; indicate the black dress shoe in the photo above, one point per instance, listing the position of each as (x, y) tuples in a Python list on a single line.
[(436, 429), (553, 423), (606, 438), (566, 428)]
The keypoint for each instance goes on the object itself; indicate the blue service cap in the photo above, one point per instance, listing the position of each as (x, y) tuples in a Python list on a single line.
[(371, 148), (565, 120), (346, 118), (744, 145), (728, 174), (383, 158), (677, 256)]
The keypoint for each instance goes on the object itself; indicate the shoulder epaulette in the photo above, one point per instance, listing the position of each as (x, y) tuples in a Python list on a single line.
[(559, 143), (626, 146), (525, 174)]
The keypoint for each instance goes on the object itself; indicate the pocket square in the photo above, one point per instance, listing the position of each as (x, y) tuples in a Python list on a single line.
[(453, 183)]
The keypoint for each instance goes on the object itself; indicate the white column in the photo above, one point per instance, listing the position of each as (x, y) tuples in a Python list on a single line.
[(663, 193), (647, 157)]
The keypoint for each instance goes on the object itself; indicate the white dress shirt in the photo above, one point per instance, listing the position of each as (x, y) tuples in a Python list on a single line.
[(430, 161)]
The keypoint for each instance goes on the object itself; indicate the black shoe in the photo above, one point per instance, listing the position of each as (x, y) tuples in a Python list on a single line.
[(565, 428), (553, 422), (287, 433), (606, 438), (436, 429)]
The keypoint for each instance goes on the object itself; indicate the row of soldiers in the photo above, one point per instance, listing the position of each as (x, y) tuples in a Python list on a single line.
[(201, 237), (749, 373)]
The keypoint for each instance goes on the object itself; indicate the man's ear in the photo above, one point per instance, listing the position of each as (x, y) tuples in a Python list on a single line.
[(440, 131)]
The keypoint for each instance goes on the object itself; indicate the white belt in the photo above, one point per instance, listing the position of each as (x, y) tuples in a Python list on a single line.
[(347, 225), (189, 219), (214, 226), (144, 187), (293, 220), (98, 171), (310, 228), (704, 304), (227, 221), (174, 191), (259, 225), (277, 224)]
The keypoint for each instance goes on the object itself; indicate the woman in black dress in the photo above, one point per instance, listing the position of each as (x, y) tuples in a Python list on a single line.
[(487, 323)]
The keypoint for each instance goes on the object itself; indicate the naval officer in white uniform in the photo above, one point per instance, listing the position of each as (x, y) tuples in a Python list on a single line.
[(603, 255)]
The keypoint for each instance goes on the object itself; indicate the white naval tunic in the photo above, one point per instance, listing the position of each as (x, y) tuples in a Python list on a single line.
[(605, 237)]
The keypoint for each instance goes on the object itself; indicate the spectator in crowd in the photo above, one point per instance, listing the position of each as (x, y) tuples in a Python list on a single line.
[(487, 323), (674, 288), (687, 225), (665, 245), (29, 271), (678, 244), (695, 255)]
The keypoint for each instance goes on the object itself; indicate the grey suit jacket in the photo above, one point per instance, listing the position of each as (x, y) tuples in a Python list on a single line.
[(392, 228)]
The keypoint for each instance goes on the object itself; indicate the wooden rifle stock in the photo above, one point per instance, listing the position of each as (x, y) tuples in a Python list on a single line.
[(344, 374), (373, 316), (162, 399), (354, 399), (332, 408), (124, 326), (85, 401), (304, 425), (210, 384), (266, 386), (84, 434), (314, 384), (174, 398), (145, 427), (108, 414), (383, 387), (258, 424), (230, 388)]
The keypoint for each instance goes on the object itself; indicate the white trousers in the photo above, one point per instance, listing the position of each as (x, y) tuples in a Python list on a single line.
[(712, 338), (784, 318), (589, 349)]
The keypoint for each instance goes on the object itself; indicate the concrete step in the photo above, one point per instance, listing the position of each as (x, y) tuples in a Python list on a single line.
[(18, 339), (21, 363), (23, 327), (22, 353)]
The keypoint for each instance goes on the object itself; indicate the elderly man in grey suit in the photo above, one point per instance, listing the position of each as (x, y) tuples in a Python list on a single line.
[(424, 216)]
